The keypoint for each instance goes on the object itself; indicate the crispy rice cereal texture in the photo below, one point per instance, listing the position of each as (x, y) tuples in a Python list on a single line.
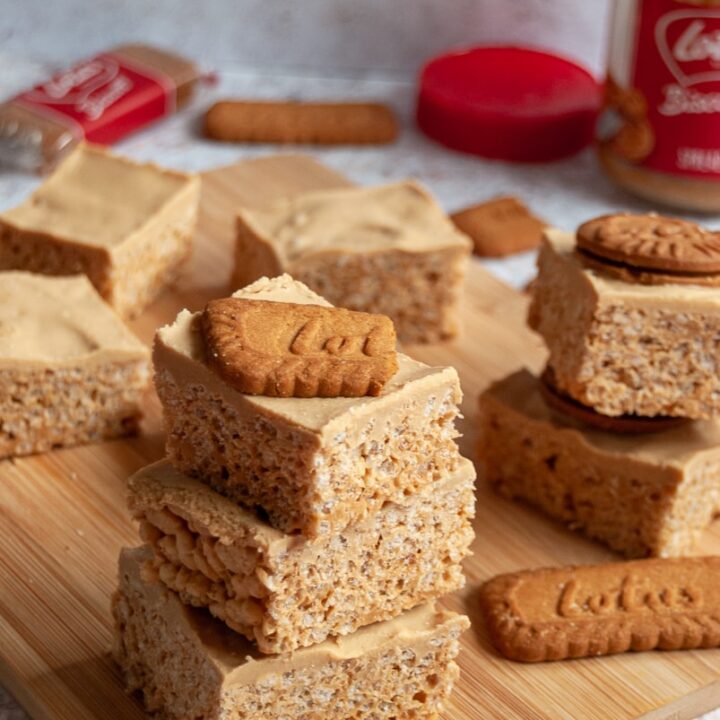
[(312, 465), (641, 496), (389, 250), (70, 371), (187, 665), (284, 592)]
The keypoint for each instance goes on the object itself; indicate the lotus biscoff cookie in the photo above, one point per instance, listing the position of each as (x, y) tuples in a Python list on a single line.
[(502, 226), (315, 123), (583, 611), (290, 350)]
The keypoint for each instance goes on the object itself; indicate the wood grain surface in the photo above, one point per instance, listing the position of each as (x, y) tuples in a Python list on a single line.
[(63, 522)]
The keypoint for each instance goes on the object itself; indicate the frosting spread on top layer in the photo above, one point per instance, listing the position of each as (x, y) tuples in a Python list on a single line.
[(57, 321), (401, 216), (96, 198)]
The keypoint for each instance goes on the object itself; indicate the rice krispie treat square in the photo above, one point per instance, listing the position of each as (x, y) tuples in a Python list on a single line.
[(649, 494), (127, 226), (625, 347), (188, 665), (389, 249), (312, 464), (286, 592), (70, 371)]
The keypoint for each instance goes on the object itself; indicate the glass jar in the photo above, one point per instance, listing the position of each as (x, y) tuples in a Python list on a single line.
[(659, 135)]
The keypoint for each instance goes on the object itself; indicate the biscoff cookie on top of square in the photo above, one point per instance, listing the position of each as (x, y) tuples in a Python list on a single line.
[(313, 464), (629, 308), (388, 249), (127, 226)]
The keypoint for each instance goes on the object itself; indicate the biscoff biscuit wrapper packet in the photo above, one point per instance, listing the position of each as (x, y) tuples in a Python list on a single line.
[(100, 100)]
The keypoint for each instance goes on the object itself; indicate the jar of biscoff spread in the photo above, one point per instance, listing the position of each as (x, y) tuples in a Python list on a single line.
[(659, 135)]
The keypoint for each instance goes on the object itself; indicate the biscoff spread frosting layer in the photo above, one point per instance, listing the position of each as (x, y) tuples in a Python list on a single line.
[(180, 347), (59, 321), (96, 198), (400, 216)]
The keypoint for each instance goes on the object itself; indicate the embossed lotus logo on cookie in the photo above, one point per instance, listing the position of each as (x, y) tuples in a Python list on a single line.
[(288, 350)]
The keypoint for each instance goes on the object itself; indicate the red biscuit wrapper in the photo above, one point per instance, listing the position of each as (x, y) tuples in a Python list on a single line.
[(101, 100)]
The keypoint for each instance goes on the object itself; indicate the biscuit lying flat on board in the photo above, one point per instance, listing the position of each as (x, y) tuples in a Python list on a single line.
[(500, 227), (583, 611), (301, 122), (286, 350)]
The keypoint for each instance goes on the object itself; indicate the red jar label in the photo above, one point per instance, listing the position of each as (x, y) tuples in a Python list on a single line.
[(675, 70), (104, 98)]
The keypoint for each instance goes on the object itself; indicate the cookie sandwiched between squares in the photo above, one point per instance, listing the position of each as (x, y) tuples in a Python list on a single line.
[(624, 339), (314, 465), (127, 226), (388, 249), (285, 592), (187, 664), (70, 371), (643, 495)]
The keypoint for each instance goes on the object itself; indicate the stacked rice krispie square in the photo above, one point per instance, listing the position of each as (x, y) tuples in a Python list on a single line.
[(620, 437), (294, 546)]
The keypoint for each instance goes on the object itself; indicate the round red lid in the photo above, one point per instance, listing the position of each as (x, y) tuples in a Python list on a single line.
[(510, 103)]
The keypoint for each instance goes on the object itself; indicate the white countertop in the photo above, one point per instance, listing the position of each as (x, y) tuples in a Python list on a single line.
[(563, 193)]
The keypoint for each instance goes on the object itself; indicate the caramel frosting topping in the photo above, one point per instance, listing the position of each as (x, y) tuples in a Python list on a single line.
[(675, 447), (96, 198), (59, 321), (402, 216)]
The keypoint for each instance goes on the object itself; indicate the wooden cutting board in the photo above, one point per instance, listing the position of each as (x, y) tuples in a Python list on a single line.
[(63, 522)]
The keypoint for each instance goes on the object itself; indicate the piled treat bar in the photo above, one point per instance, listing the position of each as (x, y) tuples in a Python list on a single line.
[(294, 545), (70, 371), (388, 249), (127, 226), (618, 437)]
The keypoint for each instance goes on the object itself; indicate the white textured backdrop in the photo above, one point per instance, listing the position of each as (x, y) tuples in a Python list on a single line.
[(327, 37), (259, 45)]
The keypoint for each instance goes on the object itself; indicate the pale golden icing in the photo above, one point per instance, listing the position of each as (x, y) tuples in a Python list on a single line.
[(59, 321), (96, 198), (402, 216)]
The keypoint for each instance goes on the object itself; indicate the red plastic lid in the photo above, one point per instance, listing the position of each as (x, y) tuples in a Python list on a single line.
[(508, 102)]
